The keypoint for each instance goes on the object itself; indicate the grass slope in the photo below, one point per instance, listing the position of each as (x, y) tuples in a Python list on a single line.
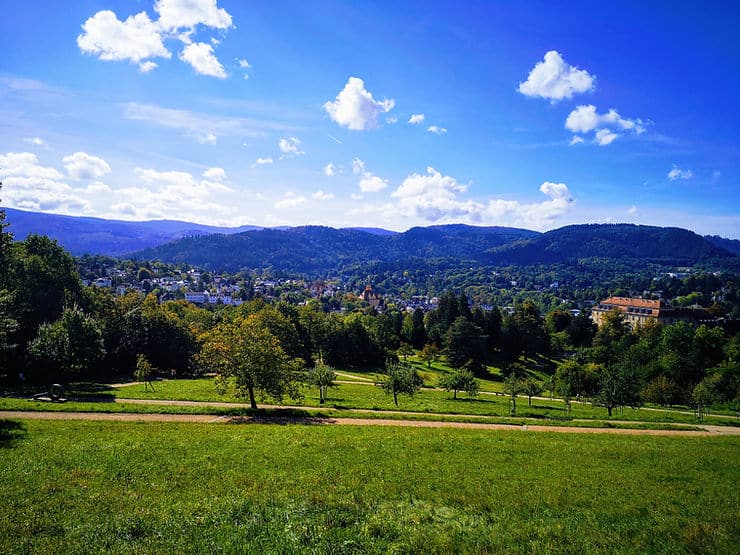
[(73, 487)]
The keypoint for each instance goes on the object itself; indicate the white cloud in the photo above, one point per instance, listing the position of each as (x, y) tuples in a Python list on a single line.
[(358, 166), (604, 137), (262, 161), (632, 210), (555, 79), (321, 195), (433, 196), (146, 67), (416, 119), (29, 185), (178, 14), (355, 107), (244, 64), (82, 165), (678, 173), (576, 140), (585, 119), (139, 38), (330, 170), (391, 120), (200, 56), (35, 141), (290, 200), (215, 174), (110, 39), (370, 183), (97, 187), (290, 145), (437, 130)]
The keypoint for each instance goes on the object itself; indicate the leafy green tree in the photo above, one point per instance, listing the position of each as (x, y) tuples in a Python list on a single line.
[(460, 380), (532, 388), (405, 350), (465, 342), (68, 347), (244, 349), (705, 395), (661, 391), (619, 386), (144, 371), (429, 354), (514, 386), (400, 379), (323, 377)]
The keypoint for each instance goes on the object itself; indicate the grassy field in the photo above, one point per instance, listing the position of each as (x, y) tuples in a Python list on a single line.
[(74, 487), (364, 396)]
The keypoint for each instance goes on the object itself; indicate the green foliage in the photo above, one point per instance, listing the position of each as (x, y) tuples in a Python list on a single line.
[(514, 386), (661, 391), (68, 347), (323, 377), (619, 386), (245, 350), (429, 354), (460, 380), (465, 342), (400, 379)]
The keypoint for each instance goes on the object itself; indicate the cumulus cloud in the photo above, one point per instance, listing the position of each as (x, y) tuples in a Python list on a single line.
[(263, 161), (321, 195), (32, 186), (215, 174), (146, 67), (290, 200), (82, 165), (604, 137), (370, 183), (576, 140), (355, 107), (137, 39), (555, 79), (632, 210), (585, 119), (437, 130), (679, 173), (97, 187), (416, 119), (200, 56), (179, 14), (330, 170), (290, 146)]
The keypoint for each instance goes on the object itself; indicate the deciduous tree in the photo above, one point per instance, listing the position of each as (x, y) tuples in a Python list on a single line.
[(400, 379), (460, 380)]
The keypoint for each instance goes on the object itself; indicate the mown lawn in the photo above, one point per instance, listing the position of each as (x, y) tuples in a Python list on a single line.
[(365, 396), (80, 487)]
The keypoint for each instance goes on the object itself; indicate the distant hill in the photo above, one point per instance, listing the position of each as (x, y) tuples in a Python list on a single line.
[(320, 249), (663, 245), (81, 235), (311, 249), (732, 245)]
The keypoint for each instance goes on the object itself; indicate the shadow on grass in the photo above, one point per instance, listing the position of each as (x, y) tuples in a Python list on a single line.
[(281, 417), (10, 432)]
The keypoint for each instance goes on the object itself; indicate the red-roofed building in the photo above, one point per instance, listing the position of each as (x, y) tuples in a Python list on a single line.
[(639, 311)]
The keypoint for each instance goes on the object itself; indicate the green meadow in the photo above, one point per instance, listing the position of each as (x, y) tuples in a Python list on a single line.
[(92, 487)]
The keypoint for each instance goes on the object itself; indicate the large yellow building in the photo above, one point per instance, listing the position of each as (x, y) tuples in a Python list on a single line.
[(638, 311)]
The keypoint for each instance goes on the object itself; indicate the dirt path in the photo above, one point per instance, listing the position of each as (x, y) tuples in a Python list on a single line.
[(703, 431)]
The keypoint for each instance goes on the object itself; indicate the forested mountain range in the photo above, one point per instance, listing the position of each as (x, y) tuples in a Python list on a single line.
[(321, 249), (317, 249)]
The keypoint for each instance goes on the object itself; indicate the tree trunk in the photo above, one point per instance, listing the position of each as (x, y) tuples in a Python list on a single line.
[(252, 400), (455, 394), (395, 398), (513, 406), (609, 410), (530, 400)]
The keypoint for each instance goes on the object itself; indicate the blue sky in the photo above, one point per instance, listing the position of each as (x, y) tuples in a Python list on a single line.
[(384, 114)]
